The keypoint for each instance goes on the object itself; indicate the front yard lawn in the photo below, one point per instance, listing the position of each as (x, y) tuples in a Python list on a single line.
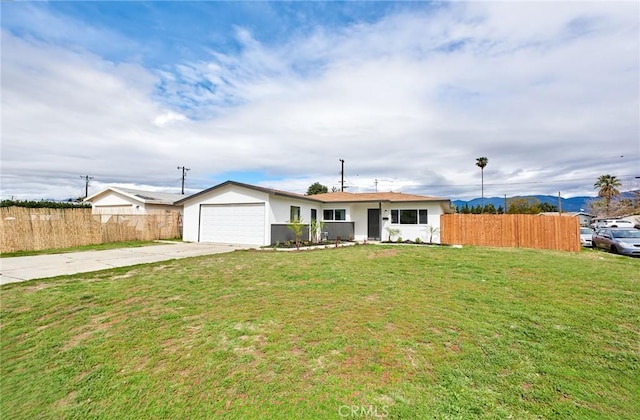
[(399, 332)]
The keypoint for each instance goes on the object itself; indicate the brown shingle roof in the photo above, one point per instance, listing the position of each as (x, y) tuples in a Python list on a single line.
[(344, 197), (333, 197)]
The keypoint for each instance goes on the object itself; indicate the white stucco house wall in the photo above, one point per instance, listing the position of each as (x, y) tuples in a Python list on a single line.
[(234, 212), (117, 200)]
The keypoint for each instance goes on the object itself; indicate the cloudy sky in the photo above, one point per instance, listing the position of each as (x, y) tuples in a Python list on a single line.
[(408, 94)]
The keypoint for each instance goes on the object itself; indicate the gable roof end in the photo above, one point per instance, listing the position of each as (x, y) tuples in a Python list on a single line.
[(146, 197), (270, 191)]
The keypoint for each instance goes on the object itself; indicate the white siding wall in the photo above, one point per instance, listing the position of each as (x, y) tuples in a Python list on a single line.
[(412, 232), (114, 203), (281, 209), (229, 194), (358, 214)]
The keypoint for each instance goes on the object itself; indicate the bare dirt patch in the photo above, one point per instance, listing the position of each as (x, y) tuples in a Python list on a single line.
[(94, 325), (383, 253), (38, 287), (67, 400)]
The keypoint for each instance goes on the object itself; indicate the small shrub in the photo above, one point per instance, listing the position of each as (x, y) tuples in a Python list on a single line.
[(399, 240), (418, 241), (392, 233)]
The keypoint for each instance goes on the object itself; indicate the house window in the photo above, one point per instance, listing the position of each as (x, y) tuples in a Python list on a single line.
[(334, 214), (423, 217), (394, 216), (294, 214), (409, 217)]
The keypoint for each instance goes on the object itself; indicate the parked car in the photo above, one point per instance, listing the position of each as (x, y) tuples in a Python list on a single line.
[(613, 223), (618, 240), (585, 237)]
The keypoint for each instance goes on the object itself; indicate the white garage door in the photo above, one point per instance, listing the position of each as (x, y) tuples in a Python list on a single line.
[(232, 223)]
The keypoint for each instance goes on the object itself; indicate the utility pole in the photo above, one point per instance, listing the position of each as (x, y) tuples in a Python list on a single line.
[(184, 175), (86, 178), (342, 176), (559, 204), (376, 182)]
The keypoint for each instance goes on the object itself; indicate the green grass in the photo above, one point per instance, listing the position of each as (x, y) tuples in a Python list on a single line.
[(98, 247), (404, 332)]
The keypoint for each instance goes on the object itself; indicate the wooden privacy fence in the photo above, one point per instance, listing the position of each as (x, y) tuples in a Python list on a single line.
[(511, 230), (26, 229)]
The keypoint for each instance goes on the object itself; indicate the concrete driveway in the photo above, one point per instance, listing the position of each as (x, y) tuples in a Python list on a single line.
[(18, 269)]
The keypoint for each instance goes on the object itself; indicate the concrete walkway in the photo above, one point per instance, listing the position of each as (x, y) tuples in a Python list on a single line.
[(18, 269)]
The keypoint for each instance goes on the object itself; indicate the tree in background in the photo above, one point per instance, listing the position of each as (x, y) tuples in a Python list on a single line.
[(548, 207), (607, 186), (481, 162), (524, 205), (489, 208), (317, 188)]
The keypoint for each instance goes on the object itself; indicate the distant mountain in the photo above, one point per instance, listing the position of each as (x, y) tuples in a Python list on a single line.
[(568, 204), (574, 204)]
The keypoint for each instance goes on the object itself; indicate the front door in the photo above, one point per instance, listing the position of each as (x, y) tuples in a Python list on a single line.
[(373, 224)]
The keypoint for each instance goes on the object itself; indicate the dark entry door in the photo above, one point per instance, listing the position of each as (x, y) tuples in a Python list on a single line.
[(373, 224)]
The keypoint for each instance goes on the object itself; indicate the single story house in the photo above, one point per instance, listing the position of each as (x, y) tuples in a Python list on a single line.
[(233, 212), (117, 200)]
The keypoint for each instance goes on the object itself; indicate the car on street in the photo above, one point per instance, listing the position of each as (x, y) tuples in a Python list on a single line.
[(585, 237), (624, 241), (613, 223)]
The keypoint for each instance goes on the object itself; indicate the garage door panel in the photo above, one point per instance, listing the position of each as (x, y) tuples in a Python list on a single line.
[(233, 223)]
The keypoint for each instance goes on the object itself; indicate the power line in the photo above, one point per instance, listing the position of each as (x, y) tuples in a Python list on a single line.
[(524, 183)]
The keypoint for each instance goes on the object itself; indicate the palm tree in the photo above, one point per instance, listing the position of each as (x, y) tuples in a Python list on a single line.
[(482, 162), (608, 187)]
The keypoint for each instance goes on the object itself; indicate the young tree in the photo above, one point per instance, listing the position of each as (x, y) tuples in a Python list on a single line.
[(431, 231), (296, 227), (481, 162), (607, 186), (317, 188), (316, 227)]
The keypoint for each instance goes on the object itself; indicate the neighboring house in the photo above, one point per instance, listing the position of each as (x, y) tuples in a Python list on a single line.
[(584, 218), (234, 212), (117, 200)]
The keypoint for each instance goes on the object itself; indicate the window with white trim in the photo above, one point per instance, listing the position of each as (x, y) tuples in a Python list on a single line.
[(334, 214), (410, 217), (294, 214)]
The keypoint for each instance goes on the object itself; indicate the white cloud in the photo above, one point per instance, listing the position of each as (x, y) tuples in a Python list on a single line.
[(548, 91)]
